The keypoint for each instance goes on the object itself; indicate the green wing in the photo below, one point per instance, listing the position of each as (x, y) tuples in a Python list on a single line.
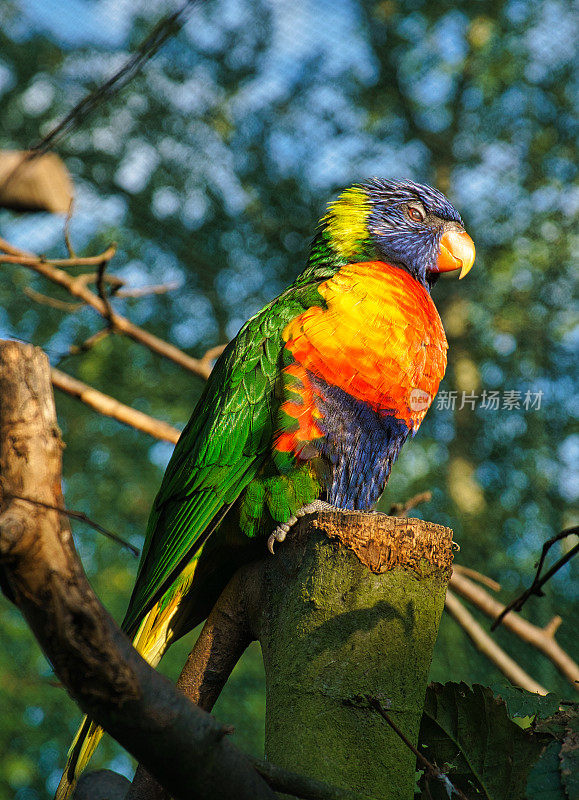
[(218, 454)]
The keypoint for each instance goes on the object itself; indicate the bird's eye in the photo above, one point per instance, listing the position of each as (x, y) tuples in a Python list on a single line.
[(416, 214)]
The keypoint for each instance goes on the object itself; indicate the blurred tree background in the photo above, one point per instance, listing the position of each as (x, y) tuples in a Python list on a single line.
[(211, 169)]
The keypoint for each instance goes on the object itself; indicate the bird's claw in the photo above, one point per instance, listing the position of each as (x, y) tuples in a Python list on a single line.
[(283, 529), (280, 533)]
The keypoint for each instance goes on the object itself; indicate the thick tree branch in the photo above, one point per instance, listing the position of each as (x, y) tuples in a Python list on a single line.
[(223, 640), (541, 638), (490, 648), (181, 745)]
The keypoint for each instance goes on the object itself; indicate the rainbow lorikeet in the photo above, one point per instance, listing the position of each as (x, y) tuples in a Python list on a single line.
[(312, 400)]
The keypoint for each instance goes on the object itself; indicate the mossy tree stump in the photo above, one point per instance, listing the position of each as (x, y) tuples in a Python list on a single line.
[(350, 609), (347, 609)]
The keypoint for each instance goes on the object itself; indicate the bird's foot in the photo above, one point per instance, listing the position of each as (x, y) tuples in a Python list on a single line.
[(282, 530)]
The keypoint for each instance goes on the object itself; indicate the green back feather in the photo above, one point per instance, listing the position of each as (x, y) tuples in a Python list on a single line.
[(223, 448)]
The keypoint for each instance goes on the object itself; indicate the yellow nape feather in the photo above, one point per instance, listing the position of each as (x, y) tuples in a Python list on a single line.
[(346, 222)]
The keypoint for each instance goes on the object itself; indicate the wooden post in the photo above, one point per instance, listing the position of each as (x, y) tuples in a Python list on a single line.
[(348, 608)]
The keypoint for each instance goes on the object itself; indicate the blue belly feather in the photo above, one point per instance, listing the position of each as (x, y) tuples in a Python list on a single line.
[(360, 444)]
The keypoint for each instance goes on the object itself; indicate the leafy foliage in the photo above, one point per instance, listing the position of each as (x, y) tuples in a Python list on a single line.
[(521, 704), (470, 735), (556, 773)]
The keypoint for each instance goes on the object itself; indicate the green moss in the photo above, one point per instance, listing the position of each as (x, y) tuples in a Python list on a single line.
[(345, 634)]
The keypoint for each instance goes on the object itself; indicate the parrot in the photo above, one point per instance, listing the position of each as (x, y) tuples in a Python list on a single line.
[(307, 408)]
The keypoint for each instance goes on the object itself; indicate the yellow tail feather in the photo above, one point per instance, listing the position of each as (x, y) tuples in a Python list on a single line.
[(83, 746), (152, 639)]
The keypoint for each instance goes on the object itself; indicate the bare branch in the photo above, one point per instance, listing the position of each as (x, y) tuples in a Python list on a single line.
[(88, 344), (477, 576), (113, 408), (31, 260), (67, 239), (100, 285), (541, 638), (53, 302), (145, 291), (490, 648), (536, 588), (209, 357), (77, 287), (81, 517), (6, 247), (402, 509)]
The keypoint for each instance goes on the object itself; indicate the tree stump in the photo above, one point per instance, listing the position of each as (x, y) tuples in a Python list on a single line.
[(350, 608)]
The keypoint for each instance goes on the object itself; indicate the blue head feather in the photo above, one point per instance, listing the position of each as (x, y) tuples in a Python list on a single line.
[(401, 240)]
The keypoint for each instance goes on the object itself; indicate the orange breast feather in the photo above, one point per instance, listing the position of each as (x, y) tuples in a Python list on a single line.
[(380, 339)]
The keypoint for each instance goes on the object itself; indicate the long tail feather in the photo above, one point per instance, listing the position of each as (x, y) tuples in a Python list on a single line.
[(83, 746), (153, 637)]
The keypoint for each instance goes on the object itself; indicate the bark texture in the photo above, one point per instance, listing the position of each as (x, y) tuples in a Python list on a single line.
[(181, 745)]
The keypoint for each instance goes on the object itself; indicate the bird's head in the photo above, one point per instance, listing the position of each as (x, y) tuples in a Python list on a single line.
[(403, 223)]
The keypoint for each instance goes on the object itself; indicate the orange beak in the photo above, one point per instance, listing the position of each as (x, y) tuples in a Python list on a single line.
[(456, 252)]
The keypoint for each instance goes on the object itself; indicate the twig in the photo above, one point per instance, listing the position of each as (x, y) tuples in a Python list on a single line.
[(110, 407), (213, 353), (431, 769), (100, 285), (32, 260), (77, 287), (402, 509), (88, 344), (477, 576), (67, 239), (6, 247), (538, 582), (81, 517), (540, 638), (145, 291), (490, 648), (53, 302)]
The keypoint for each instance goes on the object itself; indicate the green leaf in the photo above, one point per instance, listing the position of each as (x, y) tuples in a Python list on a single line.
[(521, 703), (544, 782), (486, 753), (559, 764)]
